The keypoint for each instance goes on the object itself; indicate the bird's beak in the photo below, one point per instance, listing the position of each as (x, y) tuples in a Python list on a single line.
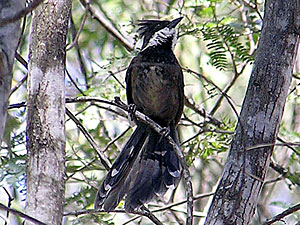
[(173, 23)]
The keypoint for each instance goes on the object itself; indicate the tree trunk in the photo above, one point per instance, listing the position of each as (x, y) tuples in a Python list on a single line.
[(237, 194), (46, 112), (9, 36)]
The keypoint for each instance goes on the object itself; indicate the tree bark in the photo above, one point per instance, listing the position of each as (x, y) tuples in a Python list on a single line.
[(237, 194), (9, 36), (46, 112)]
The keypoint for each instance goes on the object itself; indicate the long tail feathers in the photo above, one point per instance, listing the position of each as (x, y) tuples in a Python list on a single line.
[(112, 189), (155, 171)]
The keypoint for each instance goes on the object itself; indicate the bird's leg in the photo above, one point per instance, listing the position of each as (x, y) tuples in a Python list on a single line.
[(131, 111), (131, 114), (164, 132)]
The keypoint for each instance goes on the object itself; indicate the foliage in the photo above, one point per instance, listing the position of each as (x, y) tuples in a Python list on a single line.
[(218, 39), (222, 40)]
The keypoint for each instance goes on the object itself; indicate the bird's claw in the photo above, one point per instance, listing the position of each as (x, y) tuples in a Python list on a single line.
[(164, 132), (131, 113)]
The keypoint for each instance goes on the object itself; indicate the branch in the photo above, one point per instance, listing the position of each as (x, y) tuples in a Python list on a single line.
[(147, 212), (297, 152), (21, 60), (293, 177), (99, 152), (99, 16), (116, 139), (10, 199), (83, 212), (141, 117), (143, 212), (236, 74), (21, 13), (17, 105), (255, 147), (186, 174), (91, 211), (75, 40), (197, 197), (82, 65), (20, 214), (226, 90), (201, 112), (283, 214), (25, 64), (218, 88), (18, 84), (74, 83), (81, 169)]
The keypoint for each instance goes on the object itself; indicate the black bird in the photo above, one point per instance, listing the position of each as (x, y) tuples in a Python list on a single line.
[(148, 165)]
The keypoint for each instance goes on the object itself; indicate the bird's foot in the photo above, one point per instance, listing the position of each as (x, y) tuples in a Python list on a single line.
[(131, 113), (164, 132)]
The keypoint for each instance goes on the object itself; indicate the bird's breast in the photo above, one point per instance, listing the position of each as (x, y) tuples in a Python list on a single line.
[(155, 90)]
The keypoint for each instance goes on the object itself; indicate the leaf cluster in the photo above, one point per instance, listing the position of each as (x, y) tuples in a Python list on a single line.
[(224, 40)]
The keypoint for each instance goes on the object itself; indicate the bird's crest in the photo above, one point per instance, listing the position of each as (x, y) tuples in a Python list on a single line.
[(157, 32)]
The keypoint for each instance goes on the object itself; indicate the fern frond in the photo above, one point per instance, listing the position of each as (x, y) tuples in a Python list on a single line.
[(222, 39)]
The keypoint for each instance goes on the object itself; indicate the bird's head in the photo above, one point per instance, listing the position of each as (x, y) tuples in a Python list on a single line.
[(158, 32)]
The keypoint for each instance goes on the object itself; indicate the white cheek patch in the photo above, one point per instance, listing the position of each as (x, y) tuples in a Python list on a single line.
[(162, 36)]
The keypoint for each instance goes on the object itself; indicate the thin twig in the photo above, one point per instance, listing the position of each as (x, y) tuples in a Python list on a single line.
[(217, 87), (149, 214), (105, 162), (17, 105), (131, 220), (289, 146), (194, 136), (18, 84), (75, 40), (10, 199), (272, 181), (20, 214), (93, 211), (100, 17), (81, 168), (283, 214), (113, 74), (285, 173), (21, 60), (21, 13), (197, 197), (74, 83), (226, 90), (201, 112), (25, 64), (109, 109), (115, 139), (255, 147), (82, 65)]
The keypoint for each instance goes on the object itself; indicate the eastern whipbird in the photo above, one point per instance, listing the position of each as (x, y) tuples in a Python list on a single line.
[(148, 165)]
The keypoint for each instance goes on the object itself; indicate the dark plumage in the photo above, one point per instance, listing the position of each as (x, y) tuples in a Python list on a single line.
[(148, 165)]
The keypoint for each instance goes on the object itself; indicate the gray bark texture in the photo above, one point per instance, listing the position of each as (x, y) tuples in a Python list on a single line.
[(9, 38), (238, 191), (46, 112)]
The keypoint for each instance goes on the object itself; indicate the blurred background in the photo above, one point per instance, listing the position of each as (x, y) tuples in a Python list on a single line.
[(216, 48)]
